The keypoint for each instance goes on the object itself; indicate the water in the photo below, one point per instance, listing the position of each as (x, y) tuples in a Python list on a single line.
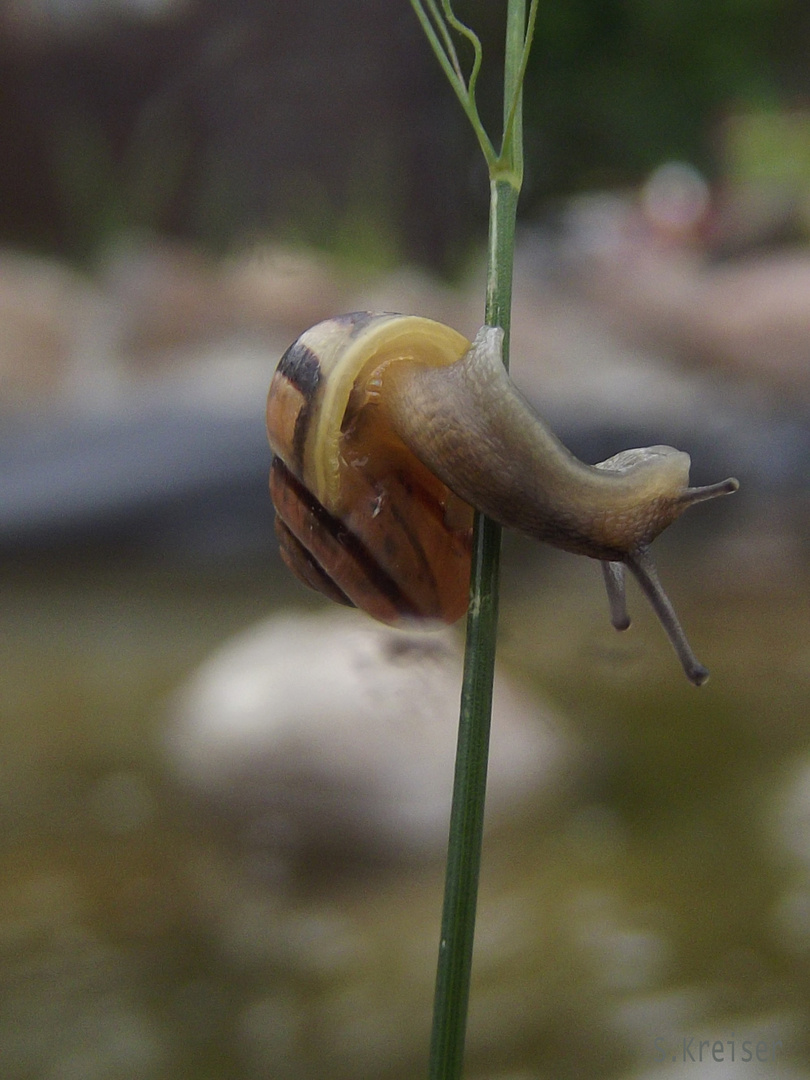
[(657, 903)]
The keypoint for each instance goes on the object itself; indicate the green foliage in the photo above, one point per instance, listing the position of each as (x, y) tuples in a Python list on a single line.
[(617, 86), (772, 148), (440, 25)]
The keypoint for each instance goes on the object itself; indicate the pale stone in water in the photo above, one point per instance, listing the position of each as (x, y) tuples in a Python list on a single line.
[(333, 731)]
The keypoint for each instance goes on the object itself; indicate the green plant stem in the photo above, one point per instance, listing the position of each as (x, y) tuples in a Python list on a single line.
[(502, 215), (472, 754)]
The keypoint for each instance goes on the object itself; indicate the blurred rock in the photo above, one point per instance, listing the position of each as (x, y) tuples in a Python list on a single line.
[(170, 299), (330, 732), (286, 289), (746, 316), (152, 309), (753, 317), (165, 296), (45, 309)]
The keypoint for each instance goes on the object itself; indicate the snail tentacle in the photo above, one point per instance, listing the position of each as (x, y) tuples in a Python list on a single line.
[(709, 491), (614, 576), (643, 569)]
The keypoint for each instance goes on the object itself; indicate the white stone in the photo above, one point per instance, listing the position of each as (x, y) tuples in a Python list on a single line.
[(331, 730)]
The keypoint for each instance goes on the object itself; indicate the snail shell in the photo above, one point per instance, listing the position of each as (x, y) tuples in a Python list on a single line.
[(359, 517), (389, 429)]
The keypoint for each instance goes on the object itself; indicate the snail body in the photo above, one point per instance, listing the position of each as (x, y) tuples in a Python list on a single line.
[(389, 429), (506, 462)]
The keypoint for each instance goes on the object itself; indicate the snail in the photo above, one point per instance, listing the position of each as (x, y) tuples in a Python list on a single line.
[(388, 430)]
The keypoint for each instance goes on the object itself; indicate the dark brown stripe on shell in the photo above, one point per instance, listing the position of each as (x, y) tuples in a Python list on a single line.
[(305, 566), (302, 367), (379, 578), (426, 506)]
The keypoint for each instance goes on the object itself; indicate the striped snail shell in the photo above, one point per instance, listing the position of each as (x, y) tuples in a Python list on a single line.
[(388, 429), (359, 517)]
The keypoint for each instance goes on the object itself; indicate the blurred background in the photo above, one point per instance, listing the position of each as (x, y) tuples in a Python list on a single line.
[(222, 812)]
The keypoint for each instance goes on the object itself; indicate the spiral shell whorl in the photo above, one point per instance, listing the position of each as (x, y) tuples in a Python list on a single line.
[(359, 517), (310, 392)]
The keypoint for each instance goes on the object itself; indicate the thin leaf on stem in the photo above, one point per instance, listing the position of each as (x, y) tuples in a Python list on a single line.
[(512, 110), (437, 26)]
